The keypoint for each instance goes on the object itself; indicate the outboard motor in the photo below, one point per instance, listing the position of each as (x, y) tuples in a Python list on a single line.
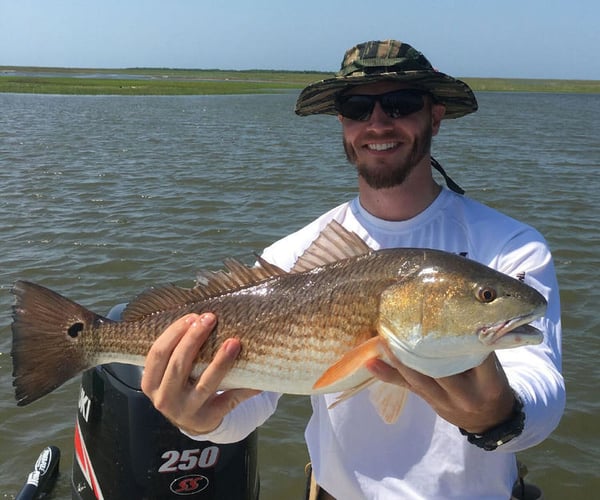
[(125, 449)]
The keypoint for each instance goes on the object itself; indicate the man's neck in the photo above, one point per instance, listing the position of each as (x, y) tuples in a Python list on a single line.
[(401, 202)]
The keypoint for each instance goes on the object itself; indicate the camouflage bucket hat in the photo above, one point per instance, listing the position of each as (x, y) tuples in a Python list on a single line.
[(387, 60)]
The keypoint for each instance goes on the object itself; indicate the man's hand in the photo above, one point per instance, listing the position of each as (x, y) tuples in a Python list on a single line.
[(475, 400), (193, 406)]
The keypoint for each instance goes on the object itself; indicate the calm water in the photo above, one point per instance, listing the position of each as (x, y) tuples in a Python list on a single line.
[(101, 197)]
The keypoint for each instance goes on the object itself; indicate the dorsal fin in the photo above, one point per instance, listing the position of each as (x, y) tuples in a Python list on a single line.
[(159, 299), (235, 276), (333, 244), (209, 284)]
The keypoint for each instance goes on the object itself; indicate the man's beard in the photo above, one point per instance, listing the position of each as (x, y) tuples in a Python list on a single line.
[(383, 177)]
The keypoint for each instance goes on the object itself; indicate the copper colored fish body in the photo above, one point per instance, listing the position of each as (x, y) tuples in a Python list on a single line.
[(306, 331)]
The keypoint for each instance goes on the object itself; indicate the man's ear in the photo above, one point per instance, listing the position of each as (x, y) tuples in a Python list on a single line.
[(437, 113)]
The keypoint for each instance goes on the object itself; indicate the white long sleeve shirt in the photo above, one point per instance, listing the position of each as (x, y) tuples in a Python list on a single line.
[(354, 454)]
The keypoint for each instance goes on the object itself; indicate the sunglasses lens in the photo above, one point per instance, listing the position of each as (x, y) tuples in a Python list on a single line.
[(395, 104), (355, 107)]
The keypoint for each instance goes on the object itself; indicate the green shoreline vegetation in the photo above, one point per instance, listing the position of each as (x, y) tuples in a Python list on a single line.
[(161, 81)]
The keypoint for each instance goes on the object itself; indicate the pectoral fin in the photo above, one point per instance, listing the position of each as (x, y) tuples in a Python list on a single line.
[(350, 363), (388, 399)]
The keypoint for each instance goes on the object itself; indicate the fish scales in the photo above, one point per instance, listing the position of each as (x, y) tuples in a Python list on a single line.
[(340, 312)]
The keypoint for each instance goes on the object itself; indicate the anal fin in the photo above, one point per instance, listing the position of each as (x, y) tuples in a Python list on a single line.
[(388, 400), (351, 392)]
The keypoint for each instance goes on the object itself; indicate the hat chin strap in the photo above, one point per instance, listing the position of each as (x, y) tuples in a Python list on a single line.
[(449, 182)]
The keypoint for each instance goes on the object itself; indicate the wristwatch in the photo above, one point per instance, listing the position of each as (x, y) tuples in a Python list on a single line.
[(503, 432)]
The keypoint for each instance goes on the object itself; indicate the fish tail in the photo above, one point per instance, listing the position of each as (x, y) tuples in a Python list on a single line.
[(46, 347)]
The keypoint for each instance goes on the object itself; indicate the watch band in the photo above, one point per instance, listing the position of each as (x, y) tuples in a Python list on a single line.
[(503, 432)]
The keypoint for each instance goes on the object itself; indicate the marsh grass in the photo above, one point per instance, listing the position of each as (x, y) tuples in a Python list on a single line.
[(157, 81), (152, 81), (534, 85), (97, 86)]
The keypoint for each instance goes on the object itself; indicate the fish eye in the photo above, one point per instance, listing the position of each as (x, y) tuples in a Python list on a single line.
[(486, 295)]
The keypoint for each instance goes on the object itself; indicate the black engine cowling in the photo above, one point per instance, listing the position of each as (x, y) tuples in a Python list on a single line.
[(125, 449)]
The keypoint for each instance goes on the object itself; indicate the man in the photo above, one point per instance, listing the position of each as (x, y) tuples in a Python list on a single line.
[(457, 435)]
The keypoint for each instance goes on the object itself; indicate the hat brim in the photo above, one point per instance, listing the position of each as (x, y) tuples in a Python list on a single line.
[(455, 95)]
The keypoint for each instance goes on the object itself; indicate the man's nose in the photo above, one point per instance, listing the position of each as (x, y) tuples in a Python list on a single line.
[(379, 116)]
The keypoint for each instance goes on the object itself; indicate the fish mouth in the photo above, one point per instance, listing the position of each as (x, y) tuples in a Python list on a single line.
[(517, 327)]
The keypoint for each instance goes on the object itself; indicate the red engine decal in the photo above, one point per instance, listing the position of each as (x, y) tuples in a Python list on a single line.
[(188, 485), (85, 464)]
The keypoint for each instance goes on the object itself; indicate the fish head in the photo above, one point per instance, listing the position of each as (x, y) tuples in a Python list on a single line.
[(448, 313)]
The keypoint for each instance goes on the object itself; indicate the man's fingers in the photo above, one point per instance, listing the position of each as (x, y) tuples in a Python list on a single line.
[(159, 354), (210, 380), (206, 390), (197, 407), (185, 352)]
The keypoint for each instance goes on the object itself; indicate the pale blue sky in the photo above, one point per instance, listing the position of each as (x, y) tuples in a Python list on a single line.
[(502, 38)]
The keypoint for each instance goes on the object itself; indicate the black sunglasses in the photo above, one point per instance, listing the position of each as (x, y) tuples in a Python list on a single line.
[(395, 104)]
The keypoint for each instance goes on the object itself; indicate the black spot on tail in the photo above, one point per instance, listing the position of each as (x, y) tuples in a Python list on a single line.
[(75, 329)]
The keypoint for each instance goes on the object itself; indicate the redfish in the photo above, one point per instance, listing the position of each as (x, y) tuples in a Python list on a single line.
[(307, 331)]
